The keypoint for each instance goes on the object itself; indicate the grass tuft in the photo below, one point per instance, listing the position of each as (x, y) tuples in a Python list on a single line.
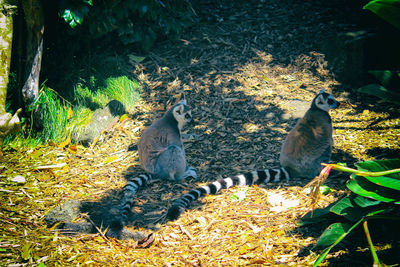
[(54, 111), (124, 90)]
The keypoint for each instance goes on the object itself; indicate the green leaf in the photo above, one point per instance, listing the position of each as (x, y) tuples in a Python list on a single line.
[(136, 59), (26, 251), (338, 231), (386, 182), (333, 233), (379, 165), (381, 92), (363, 187), (349, 208), (390, 181), (365, 202), (316, 216), (386, 78), (388, 10)]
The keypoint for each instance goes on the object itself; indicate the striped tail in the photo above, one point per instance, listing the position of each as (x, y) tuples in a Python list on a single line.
[(130, 190), (116, 227), (255, 177)]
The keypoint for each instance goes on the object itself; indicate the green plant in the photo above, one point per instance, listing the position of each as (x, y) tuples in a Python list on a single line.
[(375, 187), (389, 82), (124, 90), (132, 21), (54, 110), (73, 12), (388, 10), (82, 116), (120, 88), (93, 99)]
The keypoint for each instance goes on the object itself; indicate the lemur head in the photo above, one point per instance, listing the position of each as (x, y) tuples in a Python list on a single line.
[(325, 101), (182, 114)]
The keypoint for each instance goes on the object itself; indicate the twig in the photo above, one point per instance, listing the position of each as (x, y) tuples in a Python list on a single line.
[(186, 232), (87, 217)]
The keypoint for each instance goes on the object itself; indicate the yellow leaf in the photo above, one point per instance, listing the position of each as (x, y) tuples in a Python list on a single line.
[(258, 201), (70, 113), (73, 148), (124, 117), (65, 143), (51, 143), (111, 159), (94, 142), (280, 233)]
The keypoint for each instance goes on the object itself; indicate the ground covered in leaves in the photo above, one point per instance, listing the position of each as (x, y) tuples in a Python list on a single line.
[(248, 70)]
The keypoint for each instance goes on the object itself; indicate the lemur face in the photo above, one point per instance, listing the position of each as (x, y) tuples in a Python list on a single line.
[(182, 115), (325, 101)]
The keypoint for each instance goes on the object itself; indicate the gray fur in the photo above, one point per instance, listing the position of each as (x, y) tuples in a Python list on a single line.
[(161, 150), (310, 142)]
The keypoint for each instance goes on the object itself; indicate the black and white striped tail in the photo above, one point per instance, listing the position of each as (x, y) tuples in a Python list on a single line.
[(116, 227), (130, 190), (255, 177)]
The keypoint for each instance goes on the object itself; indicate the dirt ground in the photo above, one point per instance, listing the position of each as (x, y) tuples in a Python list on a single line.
[(248, 69)]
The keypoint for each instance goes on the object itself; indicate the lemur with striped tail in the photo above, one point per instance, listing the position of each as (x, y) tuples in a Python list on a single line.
[(162, 156), (306, 146)]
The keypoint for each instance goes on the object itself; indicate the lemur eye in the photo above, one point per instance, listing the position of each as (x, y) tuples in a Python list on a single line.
[(187, 116), (330, 101)]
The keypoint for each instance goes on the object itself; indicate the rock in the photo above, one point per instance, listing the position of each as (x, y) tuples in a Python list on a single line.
[(101, 119), (65, 213)]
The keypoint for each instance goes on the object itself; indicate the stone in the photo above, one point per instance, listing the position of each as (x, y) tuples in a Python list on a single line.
[(101, 120)]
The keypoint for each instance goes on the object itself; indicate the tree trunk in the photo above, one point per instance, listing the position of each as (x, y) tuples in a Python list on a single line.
[(8, 123), (35, 28)]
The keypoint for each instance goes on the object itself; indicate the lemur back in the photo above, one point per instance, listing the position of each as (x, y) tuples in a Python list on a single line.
[(310, 142), (161, 150), (161, 154), (306, 146)]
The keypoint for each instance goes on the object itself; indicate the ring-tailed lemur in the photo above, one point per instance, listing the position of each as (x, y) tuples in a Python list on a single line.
[(306, 146), (161, 154)]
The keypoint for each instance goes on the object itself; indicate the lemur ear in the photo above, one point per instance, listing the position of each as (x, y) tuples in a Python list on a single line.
[(182, 107), (181, 99), (322, 91)]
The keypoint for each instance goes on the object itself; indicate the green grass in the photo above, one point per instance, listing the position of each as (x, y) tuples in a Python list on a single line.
[(54, 110), (124, 90), (97, 79), (120, 88)]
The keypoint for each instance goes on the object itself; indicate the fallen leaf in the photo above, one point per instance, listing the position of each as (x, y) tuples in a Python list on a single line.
[(18, 179), (65, 143)]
